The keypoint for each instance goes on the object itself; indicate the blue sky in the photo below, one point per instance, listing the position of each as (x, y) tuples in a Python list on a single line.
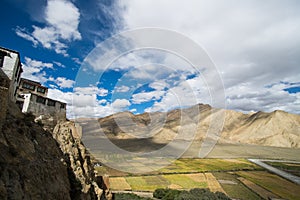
[(254, 46)]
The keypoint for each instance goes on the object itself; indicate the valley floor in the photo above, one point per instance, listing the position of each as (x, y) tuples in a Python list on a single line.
[(253, 151), (238, 178)]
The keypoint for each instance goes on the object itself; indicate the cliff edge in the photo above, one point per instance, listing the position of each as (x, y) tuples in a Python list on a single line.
[(38, 164)]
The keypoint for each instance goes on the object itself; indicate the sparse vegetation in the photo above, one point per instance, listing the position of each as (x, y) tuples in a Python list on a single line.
[(193, 194), (184, 181), (235, 189), (128, 196), (277, 185), (146, 183), (119, 183), (188, 165)]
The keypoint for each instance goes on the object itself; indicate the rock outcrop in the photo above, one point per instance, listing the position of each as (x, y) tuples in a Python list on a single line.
[(31, 164), (39, 164), (83, 183)]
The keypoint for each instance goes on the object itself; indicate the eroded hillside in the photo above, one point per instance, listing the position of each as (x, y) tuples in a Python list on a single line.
[(277, 128)]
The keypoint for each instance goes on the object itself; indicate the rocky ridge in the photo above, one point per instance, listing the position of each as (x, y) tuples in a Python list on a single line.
[(278, 128)]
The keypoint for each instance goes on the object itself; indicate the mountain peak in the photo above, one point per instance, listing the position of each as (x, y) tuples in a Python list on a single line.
[(258, 128)]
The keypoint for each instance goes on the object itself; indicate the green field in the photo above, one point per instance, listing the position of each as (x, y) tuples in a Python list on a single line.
[(184, 181), (235, 189), (188, 165), (147, 183), (277, 185), (238, 178)]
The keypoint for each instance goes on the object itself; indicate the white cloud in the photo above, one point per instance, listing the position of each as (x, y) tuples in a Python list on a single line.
[(89, 111), (133, 110), (62, 20), (59, 95), (82, 102), (102, 101), (159, 85), (92, 90), (64, 83), (33, 70), (253, 43), (120, 104), (146, 96), (186, 93), (22, 33), (37, 64), (59, 64), (268, 98), (122, 88), (150, 72), (63, 16)]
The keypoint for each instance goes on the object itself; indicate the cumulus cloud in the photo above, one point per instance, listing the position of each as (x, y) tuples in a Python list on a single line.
[(149, 72), (122, 88), (59, 95), (186, 93), (34, 70), (62, 19), (120, 105), (83, 102), (91, 90), (268, 98), (253, 43), (159, 85), (64, 82), (143, 97), (64, 16)]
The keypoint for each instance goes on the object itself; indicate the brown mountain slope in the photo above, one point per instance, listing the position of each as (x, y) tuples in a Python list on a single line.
[(277, 128)]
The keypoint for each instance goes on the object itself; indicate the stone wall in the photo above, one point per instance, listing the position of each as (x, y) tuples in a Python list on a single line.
[(43, 109)]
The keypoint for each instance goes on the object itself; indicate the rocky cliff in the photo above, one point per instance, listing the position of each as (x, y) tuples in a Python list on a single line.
[(38, 164), (84, 184), (31, 164)]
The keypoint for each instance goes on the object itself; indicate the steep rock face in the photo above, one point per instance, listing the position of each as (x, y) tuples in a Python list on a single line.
[(31, 163), (83, 182), (38, 164)]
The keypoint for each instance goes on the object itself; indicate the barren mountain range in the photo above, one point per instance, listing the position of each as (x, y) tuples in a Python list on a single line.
[(277, 128)]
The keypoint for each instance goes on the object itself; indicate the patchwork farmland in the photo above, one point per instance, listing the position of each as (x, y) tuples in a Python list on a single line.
[(237, 178)]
